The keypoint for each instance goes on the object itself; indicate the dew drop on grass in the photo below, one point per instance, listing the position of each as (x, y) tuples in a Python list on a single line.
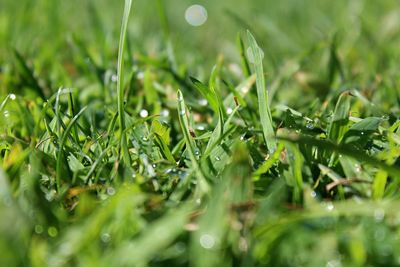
[(243, 244), (330, 206), (114, 78), (140, 75), (197, 151), (38, 229), (250, 55), (362, 133), (52, 231), (309, 126), (207, 241), (217, 158), (200, 127), (144, 113), (203, 102), (334, 263), (13, 97), (105, 237), (313, 194), (196, 15), (385, 117), (357, 168), (145, 139), (164, 113), (183, 112), (229, 111), (6, 113), (110, 191)]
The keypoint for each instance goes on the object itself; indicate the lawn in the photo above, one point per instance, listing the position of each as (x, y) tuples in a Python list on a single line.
[(200, 133)]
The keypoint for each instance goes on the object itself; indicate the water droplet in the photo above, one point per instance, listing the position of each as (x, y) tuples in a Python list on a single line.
[(357, 168), (362, 133), (110, 191), (13, 97), (379, 215), (52, 231), (106, 237), (198, 201), (143, 113), (196, 15), (140, 75), (183, 112), (250, 55), (6, 113), (313, 194), (229, 111), (385, 117), (114, 78), (203, 102), (243, 245), (38, 229), (207, 241), (154, 165), (197, 151), (242, 137), (309, 125), (200, 127), (330, 206), (145, 139), (164, 113), (217, 158), (334, 263)]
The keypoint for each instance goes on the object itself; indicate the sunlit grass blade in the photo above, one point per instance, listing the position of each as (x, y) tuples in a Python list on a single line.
[(202, 183), (262, 94), (120, 83)]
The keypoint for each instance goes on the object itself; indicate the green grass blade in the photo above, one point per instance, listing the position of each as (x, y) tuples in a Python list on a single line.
[(120, 82), (60, 156), (203, 186), (345, 150), (262, 93)]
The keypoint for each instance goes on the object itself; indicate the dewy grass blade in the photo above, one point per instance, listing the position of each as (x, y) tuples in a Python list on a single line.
[(347, 150), (60, 150), (190, 145), (263, 106), (120, 82)]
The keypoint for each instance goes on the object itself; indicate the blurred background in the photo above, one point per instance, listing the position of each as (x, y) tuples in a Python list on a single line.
[(296, 35), (285, 29)]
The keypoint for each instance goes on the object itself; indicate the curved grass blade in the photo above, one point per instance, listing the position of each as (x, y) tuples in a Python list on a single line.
[(345, 150)]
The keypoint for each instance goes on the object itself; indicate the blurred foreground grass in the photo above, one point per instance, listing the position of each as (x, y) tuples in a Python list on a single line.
[(179, 157)]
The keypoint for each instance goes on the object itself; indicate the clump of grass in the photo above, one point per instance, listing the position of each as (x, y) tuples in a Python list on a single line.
[(156, 159)]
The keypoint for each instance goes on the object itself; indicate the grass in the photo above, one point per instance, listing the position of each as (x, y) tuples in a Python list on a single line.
[(183, 146)]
